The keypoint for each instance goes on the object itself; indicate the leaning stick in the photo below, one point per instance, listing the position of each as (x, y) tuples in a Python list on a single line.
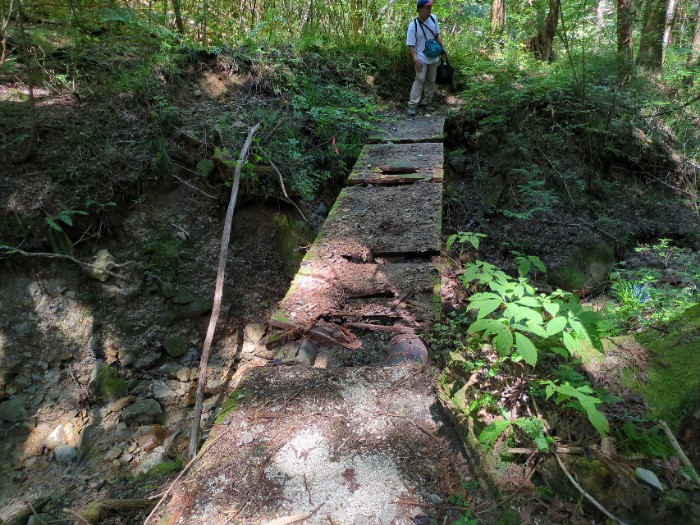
[(586, 494), (681, 455), (218, 293)]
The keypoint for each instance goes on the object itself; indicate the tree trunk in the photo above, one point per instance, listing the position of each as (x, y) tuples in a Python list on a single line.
[(541, 45), (651, 43), (498, 16), (625, 50), (668, 28), (694, 58), (356, 16), (177, 8)]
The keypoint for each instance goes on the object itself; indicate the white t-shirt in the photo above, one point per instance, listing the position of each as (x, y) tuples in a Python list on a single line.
[(416, 38)]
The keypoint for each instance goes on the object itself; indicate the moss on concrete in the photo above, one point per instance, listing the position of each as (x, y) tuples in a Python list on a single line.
[(290, 237), (232, 404)]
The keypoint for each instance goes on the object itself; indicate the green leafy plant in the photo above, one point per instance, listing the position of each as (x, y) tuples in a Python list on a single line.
[(63, 216), (582, 398), (464, 238), (532, 427), (521, 323)]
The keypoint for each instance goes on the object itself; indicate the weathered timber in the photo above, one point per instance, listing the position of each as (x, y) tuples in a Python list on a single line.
[(418, 129), (398, 164), (367, 221), (343, 288)]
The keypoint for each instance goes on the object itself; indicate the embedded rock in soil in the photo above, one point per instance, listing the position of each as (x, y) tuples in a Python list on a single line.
[(143, 411)]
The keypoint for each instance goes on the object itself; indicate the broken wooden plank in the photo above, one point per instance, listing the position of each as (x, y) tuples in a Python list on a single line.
[(398, 164)]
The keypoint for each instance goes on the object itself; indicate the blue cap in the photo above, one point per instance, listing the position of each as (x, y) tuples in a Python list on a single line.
[(423, 3)]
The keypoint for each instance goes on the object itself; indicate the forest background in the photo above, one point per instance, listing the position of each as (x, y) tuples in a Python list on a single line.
[(562, 112)]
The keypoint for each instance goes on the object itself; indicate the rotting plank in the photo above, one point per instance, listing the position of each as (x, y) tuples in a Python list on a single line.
[(398, 163), (341, 288), (417, 129)]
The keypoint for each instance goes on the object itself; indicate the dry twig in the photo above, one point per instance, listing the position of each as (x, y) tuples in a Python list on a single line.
[(279, 176), (218, 292), (184, 471), (10, 250), (676, 446), (586, 494)]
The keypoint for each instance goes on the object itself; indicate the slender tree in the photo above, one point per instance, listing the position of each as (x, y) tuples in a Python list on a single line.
[(498, 16), (651, 42), (694, 57), (668, 27), (625, 50)]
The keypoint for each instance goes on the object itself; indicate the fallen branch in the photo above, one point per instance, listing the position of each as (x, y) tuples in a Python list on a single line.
[(279, 176), (383, 328), (47, 255), (192, 186), (218, 292), (561, 449), (684, 459), (184, 471), (586, 494), (290, 519)]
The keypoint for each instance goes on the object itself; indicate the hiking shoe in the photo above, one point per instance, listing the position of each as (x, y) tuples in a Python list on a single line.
[(430, 108), (411, 112)]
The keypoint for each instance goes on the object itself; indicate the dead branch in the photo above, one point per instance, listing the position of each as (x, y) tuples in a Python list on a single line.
[(184, 471), (279, 176), (383, 328), (681, 455), (89, 266), (586, 494), (218, 291), (195, 188)]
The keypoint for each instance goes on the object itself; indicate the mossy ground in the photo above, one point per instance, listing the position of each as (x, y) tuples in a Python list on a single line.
[(673, 385)]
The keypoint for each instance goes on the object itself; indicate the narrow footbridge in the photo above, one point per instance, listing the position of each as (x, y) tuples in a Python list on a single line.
[(318, 436), (371, 267)]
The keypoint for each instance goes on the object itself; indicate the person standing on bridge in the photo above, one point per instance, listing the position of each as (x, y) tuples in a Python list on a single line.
[(425, 44)]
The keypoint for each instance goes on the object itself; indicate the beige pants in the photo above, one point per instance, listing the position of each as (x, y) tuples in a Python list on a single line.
[(424, 84)]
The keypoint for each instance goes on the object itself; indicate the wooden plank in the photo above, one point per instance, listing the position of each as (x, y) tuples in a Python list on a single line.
[(338, 287), (398, 163), (411, 130), (394, 220)]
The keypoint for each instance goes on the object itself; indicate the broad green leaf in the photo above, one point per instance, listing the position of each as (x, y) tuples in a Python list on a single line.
[(524, 267), (481, 296), (555, 325), (489, 326), (53, 224), (503, 342), (567, 391), (595, 416), (485, 307), (533, 302), (538, 264), (517, 312), (526, 349), (551, 308), (561, 352), (470, 273), (531, 328), (571, 344)]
